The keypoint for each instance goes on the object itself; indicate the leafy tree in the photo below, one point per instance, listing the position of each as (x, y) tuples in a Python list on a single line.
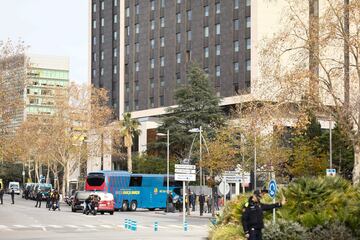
[(197, 105), (129, 128), (151, 164)]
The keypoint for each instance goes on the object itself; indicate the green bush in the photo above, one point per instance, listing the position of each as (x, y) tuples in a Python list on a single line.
[(226, 232), (330, 231), (284, 230)]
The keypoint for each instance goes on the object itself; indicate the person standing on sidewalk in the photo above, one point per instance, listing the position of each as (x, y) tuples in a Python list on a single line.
[(1, 195), (253, 217), (39, 198), (201, 201), (12, 193)]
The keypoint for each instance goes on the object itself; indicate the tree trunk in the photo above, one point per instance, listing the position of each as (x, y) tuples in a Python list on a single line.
[(356, 170), (129, 163), (63, 183), (37, 171), (67, 177), (48, 172), (29, 171)]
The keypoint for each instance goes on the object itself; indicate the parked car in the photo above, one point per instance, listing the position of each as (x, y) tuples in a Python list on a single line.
[(106, 203), (79, 199), (14, 186), (45, 187)]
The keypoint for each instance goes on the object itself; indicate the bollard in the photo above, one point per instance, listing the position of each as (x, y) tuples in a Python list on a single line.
[(134, 225), (185, 226), (156, 226)]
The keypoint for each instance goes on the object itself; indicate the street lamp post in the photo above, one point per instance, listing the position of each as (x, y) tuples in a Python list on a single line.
[(167, 162)]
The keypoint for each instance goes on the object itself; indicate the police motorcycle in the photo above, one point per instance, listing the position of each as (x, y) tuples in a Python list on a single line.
[(92, 206)]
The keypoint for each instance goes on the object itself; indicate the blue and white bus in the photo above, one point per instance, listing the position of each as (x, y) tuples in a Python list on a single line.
[(132, 191)]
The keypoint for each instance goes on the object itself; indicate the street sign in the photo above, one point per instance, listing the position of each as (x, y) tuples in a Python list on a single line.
[(184, 166), (187, 171), (185, 177), (331, 172), (224, 188), (272, 188)]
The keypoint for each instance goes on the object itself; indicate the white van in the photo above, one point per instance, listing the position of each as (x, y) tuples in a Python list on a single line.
[(15, 186)]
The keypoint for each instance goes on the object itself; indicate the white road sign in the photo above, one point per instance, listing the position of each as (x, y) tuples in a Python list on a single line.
[(184, 166), (185, 177), (187, 171)]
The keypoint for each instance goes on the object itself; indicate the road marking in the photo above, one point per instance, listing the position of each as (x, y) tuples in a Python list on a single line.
[(106, 226), (143, 227), (3, 226), (176, 226), (71, 226), (55, 226), (89, 226), (36, 226), (19, 226)]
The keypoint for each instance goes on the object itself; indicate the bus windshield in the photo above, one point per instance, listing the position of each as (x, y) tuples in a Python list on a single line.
[(95, 180)]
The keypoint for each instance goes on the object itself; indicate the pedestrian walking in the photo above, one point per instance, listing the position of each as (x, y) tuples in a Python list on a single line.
[(1, 195), (208, 203), (253, 217), (193, 201), (39, 196), (201, 201), (12, 193)]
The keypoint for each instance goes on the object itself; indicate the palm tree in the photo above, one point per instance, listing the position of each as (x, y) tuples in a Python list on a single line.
[(129, 128)]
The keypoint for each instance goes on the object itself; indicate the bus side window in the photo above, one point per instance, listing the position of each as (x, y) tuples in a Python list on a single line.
[(135, 181)]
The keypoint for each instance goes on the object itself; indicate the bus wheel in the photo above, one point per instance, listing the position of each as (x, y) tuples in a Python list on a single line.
[(151, 209), (133, 206), (124, 206)]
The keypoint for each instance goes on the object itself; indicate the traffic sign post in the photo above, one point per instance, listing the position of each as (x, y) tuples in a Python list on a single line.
[(185, 173), (331, 172), (272, 193)]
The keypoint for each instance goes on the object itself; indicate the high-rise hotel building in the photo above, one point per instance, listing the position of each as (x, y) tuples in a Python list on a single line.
[(140, 49)]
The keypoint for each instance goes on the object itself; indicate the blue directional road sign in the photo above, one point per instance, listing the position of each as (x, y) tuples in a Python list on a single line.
[(272, 188)]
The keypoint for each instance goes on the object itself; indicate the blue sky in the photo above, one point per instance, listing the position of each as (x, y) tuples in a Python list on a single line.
[(50, 27)]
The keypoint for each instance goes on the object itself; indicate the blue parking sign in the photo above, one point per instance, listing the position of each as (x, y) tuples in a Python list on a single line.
[(272, 188)]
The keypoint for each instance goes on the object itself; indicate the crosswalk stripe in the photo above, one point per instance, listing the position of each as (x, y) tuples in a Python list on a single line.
[(3, 226), (36, 226), (71, 226), (175, 226), (143, 227), (19, 226), (89, 226)]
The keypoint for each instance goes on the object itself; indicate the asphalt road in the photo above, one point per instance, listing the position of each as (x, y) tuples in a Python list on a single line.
[(23, 221)]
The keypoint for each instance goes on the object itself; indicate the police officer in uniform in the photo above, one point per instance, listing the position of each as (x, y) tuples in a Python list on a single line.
[(253, 218)]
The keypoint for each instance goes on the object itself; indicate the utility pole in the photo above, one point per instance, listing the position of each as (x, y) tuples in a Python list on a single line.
[(201, 173)]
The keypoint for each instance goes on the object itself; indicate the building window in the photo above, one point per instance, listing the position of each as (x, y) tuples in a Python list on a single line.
[(137, 9), (217, 68), (115, 3), (162, 42), (94, 7), (115, 52), (178, 57), (127, 12), (162, 22), (178, 17), (236, 4), (218, 29), (178, 1), (137, 28), (137, 86), (115, 69), (248, 22), (127, 87), (248, 3), (94, 24), (152, 24), (127, 30), (115, 35), (152, 3), (152, 63), (137, 66), (115, 18), (236, 24), (137, 47), (206, 11), (162, 101), (248, 43), (178, 38), (94, 40), (236, 46), (206, 52), (151, 100), (248, 65), (102, 55), (162, 81), (94, 57), (102, 5), (217, 7), (94, 72), (152, 43), (127, 49), (102, 22), (218, 49), (236, 67), (206, 31), (162, 61), (178, 78), (162, 3), (136, 103), (152, 83), (102, 38), (102, 71), (189, 15), (188, 35)]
